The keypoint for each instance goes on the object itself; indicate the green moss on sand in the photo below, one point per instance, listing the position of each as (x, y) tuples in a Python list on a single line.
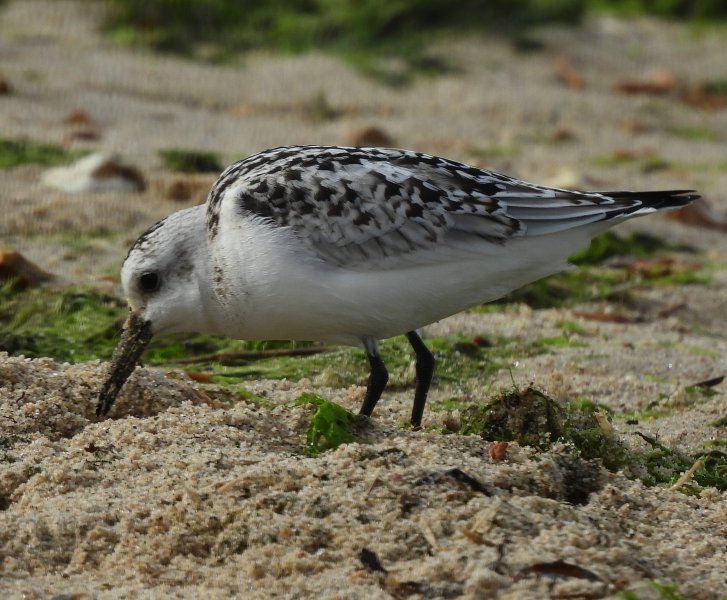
[(14, 152), (531, 418)]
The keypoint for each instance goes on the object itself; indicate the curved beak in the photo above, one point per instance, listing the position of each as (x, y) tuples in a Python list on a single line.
[(134, 339)]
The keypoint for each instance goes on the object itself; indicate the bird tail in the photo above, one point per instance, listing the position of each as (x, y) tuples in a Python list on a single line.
[(641, 203), (602, 209)]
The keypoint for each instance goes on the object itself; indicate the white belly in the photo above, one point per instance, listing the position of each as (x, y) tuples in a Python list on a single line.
[(283, 294)]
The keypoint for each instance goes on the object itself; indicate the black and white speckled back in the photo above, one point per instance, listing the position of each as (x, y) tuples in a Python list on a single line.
[(353, 205)]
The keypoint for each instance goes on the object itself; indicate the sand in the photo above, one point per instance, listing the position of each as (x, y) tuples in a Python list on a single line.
[(176, 496)]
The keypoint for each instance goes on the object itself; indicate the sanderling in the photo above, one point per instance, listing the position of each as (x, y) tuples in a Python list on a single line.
[(351, 246)]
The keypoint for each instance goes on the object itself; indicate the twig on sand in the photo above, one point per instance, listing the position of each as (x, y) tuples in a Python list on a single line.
[(687, 476), (226, 357)]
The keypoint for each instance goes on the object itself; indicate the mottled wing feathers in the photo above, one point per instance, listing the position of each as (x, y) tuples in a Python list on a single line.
[(551, 216), (353, 206), (361, 206)]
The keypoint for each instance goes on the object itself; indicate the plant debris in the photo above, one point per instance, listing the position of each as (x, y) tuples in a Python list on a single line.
[(497, 451), (96, 173), (370, 137), (190, 161), (19, 272), (531, 418), (665, 466), (710, 383), (700, 214), (14, 152), (242, 356), (370, 561), (658, 83), (331, 425), (457, 475), (567, 73), (559, 569), (528, 417)]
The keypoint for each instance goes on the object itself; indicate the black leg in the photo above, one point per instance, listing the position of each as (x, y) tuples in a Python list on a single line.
[(425, 370), (377, 379)]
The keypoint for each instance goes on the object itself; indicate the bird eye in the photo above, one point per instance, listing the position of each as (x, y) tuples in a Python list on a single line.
[(149, 281)]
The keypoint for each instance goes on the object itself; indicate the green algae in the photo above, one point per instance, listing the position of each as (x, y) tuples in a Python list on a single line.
[(14, 152), (69, 325), (190, 161), (330, 426), (531, 418)]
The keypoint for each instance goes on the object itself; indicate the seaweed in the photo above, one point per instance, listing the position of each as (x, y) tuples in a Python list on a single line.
[(190, 161), (14, 152), (531, 418), (331, 425)]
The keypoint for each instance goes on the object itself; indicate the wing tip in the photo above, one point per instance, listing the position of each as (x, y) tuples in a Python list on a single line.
[(657, 200)]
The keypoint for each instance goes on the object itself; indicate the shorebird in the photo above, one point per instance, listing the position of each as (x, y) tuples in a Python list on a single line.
[(350, 246)]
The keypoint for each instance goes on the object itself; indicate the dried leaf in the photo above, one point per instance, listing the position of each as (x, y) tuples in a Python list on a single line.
[(659, 83), (205, 398), (497, 451), (15, 267), (79, 117), (83, 127), (482, 342), (567, 73), (705, 98), (559, 569), (700, 214), (655, 268), (708, 383), (628, 154), (370, 561), (650, 267), (231, 358), (636, 127), (472, 536), (562, 134), (605, 317), (199, 377), (687, 476), (370, 137), (669, 310)]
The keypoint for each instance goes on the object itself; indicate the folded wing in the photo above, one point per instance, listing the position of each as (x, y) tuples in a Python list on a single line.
[(364, 208)]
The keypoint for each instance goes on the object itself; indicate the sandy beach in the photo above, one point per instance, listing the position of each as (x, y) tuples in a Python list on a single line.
[(180, 495)]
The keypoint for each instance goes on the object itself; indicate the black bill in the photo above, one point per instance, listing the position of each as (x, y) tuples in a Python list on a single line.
[(134, 339)]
